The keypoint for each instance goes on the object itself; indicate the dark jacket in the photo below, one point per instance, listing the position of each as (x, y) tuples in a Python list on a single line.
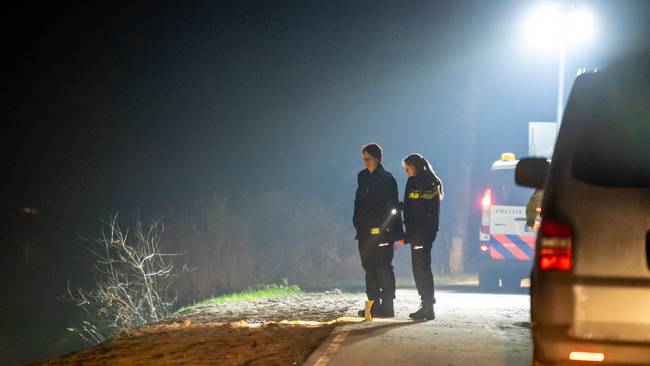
[(422, 208), (374, 200)]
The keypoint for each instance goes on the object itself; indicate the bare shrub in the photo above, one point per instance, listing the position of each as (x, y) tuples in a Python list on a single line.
[(133, 282)]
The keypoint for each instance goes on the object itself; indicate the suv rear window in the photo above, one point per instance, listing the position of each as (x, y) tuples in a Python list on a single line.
[(613, 145), (504, 190)]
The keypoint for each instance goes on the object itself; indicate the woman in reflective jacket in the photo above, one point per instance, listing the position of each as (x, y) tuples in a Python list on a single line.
[(421, 216)]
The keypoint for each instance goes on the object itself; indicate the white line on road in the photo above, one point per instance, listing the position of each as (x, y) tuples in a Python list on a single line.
[(332, 347)]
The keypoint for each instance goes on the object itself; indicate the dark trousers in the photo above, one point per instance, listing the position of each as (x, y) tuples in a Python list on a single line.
[(376, 260), (421, 262)]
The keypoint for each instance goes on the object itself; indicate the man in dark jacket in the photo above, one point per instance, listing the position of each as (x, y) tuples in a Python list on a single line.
[(378, 222)]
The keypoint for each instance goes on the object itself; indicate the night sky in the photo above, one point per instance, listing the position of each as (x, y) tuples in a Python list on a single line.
[(132, 107)]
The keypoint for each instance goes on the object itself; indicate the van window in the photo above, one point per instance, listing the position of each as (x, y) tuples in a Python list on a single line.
[(613, 144)]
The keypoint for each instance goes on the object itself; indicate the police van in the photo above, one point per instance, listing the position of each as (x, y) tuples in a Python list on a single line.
[(507, 243)]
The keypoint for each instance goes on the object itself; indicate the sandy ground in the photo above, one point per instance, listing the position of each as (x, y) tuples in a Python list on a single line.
[(283, 331), (205, 344), (470, 329)]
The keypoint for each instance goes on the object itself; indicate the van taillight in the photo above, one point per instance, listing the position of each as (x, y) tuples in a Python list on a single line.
[(555, 246), (487, 198)]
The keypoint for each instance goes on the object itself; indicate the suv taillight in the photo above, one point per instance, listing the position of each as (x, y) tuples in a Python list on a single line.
[(556, 248)]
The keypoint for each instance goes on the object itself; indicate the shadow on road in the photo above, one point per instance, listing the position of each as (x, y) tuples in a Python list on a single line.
[(360, 334)]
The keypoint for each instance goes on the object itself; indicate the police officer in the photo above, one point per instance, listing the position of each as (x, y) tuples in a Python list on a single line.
[(377, 219), (421, 216), (533, 208)]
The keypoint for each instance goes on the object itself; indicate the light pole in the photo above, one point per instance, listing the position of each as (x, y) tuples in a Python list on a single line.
[(558, 25), (560, 85)]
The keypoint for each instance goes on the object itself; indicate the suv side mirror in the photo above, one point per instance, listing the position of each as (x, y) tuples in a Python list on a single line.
[(531, 172)]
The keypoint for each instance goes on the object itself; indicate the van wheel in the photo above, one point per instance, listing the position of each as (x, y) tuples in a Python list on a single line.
[(488, 280)]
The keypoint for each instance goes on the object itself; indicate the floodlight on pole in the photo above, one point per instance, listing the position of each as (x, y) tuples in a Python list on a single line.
[(555, 25)]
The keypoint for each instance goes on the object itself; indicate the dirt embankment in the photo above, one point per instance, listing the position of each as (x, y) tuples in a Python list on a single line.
[(281, 331)]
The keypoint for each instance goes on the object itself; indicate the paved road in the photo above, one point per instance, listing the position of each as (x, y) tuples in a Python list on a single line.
[(470, 329)]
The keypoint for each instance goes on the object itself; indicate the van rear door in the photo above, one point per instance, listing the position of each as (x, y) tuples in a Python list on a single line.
[(599, 185)]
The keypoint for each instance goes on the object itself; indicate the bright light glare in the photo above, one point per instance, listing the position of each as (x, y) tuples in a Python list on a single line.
[(543, 25), (580, 25), (550, 24)]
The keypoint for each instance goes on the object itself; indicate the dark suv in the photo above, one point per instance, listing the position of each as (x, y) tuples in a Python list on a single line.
[(590, 290)]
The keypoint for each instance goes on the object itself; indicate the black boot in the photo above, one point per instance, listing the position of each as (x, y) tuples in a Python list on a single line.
[(386, 310), (425, 312), (373, 310)]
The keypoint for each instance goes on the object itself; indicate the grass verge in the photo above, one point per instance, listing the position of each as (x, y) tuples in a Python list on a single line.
[(255, 292)]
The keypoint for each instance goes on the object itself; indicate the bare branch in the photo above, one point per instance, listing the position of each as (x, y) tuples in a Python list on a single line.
[(132, 282)]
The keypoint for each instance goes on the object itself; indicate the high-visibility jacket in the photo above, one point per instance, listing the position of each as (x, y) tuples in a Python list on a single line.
[(422, 208), (534, 203)]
